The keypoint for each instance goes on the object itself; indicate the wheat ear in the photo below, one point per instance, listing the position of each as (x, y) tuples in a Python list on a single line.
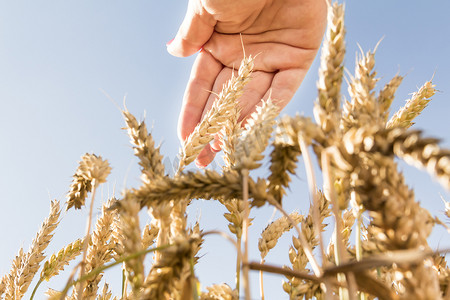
[(328, 105), (363, 109), (144, 148), (90, 167), (409, 145), (413, 107), (131, 241), (398, 221), (230, 133), (31, 260), (58, 261), (3, 284), (206, 185), (215, 118), (296, 287), (163, 275), (255, 137), (387, 94), (271, 234), (219, 292), (100, 249), (9, 279)]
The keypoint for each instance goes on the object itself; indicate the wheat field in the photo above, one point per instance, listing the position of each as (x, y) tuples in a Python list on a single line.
[(348, 154)]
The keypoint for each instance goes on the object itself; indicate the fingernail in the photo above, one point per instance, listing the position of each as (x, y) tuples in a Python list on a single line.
[(215, 150), (199, 165), (169, 42)]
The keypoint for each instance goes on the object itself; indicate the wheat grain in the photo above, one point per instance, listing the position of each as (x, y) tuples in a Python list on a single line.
[(53, 294), (149, 234), (79, 189), (413, 107), (447, 208), (106, 293), (215, 118)]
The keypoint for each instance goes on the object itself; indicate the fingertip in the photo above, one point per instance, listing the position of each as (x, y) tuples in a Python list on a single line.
[(205, 157), (182, 48), (216, 145)]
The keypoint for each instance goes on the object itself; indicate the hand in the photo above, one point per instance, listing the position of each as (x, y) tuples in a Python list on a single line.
[(284, 34)]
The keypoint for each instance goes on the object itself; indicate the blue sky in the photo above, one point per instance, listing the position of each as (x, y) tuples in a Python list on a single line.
[(56, 57)]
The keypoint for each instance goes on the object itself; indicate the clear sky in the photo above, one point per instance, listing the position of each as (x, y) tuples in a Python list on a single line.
[(56, 57)]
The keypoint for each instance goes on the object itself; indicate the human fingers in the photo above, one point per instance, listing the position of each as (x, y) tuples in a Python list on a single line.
[(253, 91), (205, 157), (203, 75), (195, 30), (271, 56), (284, 85)]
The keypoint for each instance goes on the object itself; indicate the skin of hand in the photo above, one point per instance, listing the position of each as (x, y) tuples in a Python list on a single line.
[(284, 35)]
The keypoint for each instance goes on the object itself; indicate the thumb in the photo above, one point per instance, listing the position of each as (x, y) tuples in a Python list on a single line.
[(194, 32)]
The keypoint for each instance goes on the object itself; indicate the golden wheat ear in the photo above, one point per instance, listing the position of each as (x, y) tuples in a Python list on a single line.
[(144, 148), (256, 136), (90, 168), (387, 94), (222, 110), (26, 265), (327, 108), (413, 107)]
